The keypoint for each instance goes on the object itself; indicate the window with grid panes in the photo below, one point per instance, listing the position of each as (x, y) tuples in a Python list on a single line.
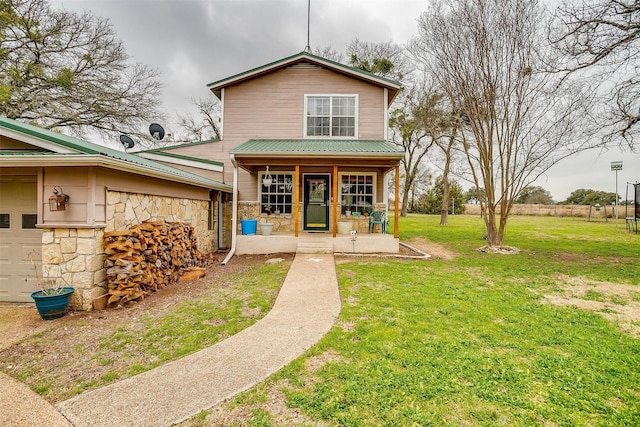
[(357, 193), (331, 115), (279, 195)]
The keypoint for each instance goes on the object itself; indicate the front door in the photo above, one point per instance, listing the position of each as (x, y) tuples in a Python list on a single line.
[(316, 202)]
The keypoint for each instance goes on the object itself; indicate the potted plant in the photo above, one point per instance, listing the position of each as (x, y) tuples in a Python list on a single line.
[(52, 301)]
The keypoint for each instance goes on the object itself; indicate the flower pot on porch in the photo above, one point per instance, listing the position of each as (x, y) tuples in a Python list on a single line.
[(52, 304), (266, 228), (344, 227)]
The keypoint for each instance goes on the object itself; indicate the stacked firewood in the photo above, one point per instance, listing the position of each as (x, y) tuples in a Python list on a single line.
[(149, 256)]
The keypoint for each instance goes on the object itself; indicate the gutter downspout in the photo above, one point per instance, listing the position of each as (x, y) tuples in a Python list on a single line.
[(234, 214)]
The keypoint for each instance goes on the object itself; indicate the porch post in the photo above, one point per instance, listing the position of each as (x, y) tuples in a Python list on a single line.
[(296, 200), (334, 192), (395, 212)]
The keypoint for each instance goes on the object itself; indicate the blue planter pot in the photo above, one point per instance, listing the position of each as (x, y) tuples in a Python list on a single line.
[(248, 226), (52, 306)]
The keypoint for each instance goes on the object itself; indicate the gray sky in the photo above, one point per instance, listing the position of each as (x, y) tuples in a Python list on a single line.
[(195, 42)]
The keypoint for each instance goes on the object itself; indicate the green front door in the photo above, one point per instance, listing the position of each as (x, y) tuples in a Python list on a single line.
[(316, 202)]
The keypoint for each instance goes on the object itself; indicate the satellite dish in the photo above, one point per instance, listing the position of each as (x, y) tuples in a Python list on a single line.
[(127, 141), (156, 131)]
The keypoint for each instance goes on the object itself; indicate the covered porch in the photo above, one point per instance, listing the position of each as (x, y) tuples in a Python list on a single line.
[(313, 188)]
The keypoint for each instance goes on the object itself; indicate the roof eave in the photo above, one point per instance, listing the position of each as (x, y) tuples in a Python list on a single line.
[(108, 162), (253, 154), (217, 86)]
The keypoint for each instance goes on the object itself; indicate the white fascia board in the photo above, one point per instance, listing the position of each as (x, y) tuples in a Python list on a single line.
[(183, 162), (38, 142)]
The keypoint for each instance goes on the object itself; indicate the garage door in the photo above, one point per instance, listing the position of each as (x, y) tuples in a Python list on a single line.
[(19, 238)]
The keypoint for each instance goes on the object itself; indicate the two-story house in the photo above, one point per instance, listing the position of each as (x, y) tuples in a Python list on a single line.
[(317, 130), (304, 148)]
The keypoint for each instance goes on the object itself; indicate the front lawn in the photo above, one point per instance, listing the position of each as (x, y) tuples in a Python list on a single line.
[(547, 337)]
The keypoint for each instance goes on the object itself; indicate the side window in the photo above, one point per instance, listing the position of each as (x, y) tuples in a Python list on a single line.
[(29, 221), (5, 220)]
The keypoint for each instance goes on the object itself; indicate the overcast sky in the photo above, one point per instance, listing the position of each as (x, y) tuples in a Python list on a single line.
[(196, 42)]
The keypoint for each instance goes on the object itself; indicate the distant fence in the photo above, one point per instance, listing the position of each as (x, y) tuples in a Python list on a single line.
[(556, 210)]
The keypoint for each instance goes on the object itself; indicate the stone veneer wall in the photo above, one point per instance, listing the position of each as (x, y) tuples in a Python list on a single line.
[(75, 256), (284, 222), (124, 210)]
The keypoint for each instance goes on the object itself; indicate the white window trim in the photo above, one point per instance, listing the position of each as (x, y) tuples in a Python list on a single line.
[(374, 183), (357, 118), (261, 176)]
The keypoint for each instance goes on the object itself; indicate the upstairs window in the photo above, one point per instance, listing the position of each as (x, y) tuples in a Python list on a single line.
[(331, 116)]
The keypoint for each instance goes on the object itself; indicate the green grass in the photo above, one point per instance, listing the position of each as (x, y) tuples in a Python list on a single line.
[(470, 341), (143, 343)]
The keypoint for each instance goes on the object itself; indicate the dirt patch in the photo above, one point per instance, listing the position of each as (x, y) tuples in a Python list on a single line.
[(83, 331), (436, 251), (619, 303), (18, 321)]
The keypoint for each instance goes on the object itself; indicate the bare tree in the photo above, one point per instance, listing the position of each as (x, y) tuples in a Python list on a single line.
[(62, 70), (519, 121), (206, 125), (414, 126), (603, 36), (447, 145), (328, 52)]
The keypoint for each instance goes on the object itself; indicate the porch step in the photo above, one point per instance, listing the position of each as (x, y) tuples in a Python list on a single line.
[(315, 246)]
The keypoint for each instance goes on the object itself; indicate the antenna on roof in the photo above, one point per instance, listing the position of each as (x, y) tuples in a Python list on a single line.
[(156, 131), (127, 142), (308, 46)]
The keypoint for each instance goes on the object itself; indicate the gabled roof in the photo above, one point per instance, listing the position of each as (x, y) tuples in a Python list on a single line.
[(318, 148), (392, 85), (60, 149)]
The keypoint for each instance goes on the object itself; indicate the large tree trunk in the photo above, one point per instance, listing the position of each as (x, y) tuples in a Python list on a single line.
[(405, 200), (495, 235)]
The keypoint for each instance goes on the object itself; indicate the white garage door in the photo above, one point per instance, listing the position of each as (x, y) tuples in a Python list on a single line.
[(18, 238)]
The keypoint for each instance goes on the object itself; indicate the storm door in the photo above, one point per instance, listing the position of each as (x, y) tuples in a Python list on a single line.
[(316, 202)]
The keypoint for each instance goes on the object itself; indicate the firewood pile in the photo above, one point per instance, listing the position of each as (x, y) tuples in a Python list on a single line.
[(148, 257)]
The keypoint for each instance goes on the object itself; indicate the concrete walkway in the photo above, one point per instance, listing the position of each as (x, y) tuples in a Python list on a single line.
[(306, 308)]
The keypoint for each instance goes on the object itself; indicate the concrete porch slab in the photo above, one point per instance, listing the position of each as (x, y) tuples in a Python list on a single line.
[(286, 242)]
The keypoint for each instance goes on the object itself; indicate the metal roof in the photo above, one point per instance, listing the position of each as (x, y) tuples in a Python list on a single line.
[(173, 147), (81, 147), (318, 147), (182, 157)]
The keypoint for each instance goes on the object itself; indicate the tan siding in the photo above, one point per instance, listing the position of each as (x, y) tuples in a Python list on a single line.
[(214, 151), (216, 176), (247, 186), (272, 106), (74, 182), (131, 183), (12, 144), (87, 187)]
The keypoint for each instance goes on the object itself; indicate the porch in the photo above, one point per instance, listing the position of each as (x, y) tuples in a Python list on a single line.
[(316, 242)]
